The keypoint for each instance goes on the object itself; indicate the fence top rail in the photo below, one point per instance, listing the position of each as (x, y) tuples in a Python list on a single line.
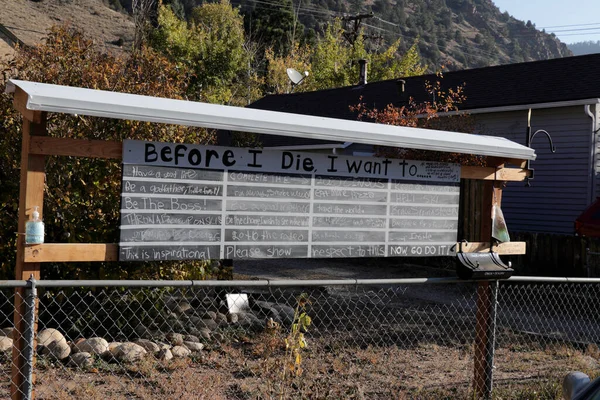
[(13, 284), (276, 283)]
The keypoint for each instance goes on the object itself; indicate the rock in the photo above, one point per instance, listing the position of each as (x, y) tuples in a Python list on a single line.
[(210, 315), (6, 343), (232, 318), (262, 305), (286, 313), (74, 345), (266, 310), (219, 337), (205, 333), (113, 345), (162, 345), (203, 323), (51, 342), (175, 325), (177, 305), (193, 346), (221, 319), (129, 352), (8, 332), (81, 360), (165, 355), (210, 324), (96, 345), (191, 338), (176, 339), (195, 333), (180, 351), (251, 322), (195, 322), (148, 345), (182, 307), (110, 354)]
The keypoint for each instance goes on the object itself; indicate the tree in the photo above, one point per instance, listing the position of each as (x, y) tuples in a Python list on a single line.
[(273, 25), (425, 115), (144, 18), (276, 78), (83, 203), (212, 45), (388, 65), (332, 62)]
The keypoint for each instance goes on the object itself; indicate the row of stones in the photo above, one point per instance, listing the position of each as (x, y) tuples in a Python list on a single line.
[(81, 353)]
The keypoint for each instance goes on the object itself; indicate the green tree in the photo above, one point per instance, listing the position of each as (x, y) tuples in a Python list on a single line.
[(82, 200), (274, 25), (211, 44), (332, 62)]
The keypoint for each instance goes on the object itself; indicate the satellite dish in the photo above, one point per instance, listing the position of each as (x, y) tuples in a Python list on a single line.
[(295, 76)]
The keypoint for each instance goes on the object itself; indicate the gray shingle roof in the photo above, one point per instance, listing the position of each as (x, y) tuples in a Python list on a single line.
[(560, 79), (547, 81)]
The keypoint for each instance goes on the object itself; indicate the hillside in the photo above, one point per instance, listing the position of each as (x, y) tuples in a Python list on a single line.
[(29, 21), (456, 33)]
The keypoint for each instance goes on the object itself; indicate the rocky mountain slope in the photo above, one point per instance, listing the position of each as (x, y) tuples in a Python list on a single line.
[(29, 21), (456, 33)]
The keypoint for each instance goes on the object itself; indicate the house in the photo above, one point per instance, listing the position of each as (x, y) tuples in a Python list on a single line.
[(563, 96)]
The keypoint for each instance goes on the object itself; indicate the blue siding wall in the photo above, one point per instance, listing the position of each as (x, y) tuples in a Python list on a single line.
[(595, 110), (561, 189)]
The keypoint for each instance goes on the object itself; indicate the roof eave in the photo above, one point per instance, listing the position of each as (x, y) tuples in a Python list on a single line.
[(72, 100), (521, 107)]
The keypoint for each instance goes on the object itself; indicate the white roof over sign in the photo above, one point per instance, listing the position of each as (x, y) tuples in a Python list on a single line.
[(99, 103)]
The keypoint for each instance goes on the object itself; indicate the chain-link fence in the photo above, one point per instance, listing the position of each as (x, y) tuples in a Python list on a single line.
[(371, 339)]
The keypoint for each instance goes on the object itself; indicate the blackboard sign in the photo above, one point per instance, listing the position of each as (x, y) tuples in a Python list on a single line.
[(182, 201)]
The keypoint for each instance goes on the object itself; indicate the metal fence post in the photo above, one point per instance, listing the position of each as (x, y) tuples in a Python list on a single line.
[(28, 338), (485, 339), (491, 340)]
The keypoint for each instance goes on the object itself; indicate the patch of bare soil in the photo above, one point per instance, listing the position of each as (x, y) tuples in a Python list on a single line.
[(30, 20), (252, 369)]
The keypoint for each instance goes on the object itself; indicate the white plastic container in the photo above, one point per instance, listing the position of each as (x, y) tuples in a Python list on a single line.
[(34, 228)]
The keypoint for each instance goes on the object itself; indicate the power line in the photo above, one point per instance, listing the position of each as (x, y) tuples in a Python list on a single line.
[(581, 34), (576, 30), (566, 26)]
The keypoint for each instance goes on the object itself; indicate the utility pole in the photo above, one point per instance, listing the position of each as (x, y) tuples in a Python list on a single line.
[(351, 32)]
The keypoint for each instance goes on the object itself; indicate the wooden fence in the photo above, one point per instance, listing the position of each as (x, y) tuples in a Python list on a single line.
[(557, 255)]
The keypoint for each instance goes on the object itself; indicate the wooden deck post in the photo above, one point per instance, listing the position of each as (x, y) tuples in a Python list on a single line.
[(33, 179), (485, 315)]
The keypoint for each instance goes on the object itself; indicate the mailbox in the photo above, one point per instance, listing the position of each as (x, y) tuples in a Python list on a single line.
[(482, 266)]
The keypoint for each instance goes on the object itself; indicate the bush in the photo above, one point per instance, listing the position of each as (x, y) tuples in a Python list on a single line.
[(82, 196)]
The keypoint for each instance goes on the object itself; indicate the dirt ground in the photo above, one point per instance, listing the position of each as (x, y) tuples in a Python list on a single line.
[(253, 370)]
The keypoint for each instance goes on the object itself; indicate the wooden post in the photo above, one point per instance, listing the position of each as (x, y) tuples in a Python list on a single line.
[(484, 337), (33, 179)]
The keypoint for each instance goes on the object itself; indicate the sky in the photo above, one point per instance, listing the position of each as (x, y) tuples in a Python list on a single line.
[(572, 21)]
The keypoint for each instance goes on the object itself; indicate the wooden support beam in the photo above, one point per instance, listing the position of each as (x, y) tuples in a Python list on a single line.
[(99, 252), (20, 104), (72, 252), (33, 179), (51, 146), (491, 174), (484, 323), (509, 248)]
